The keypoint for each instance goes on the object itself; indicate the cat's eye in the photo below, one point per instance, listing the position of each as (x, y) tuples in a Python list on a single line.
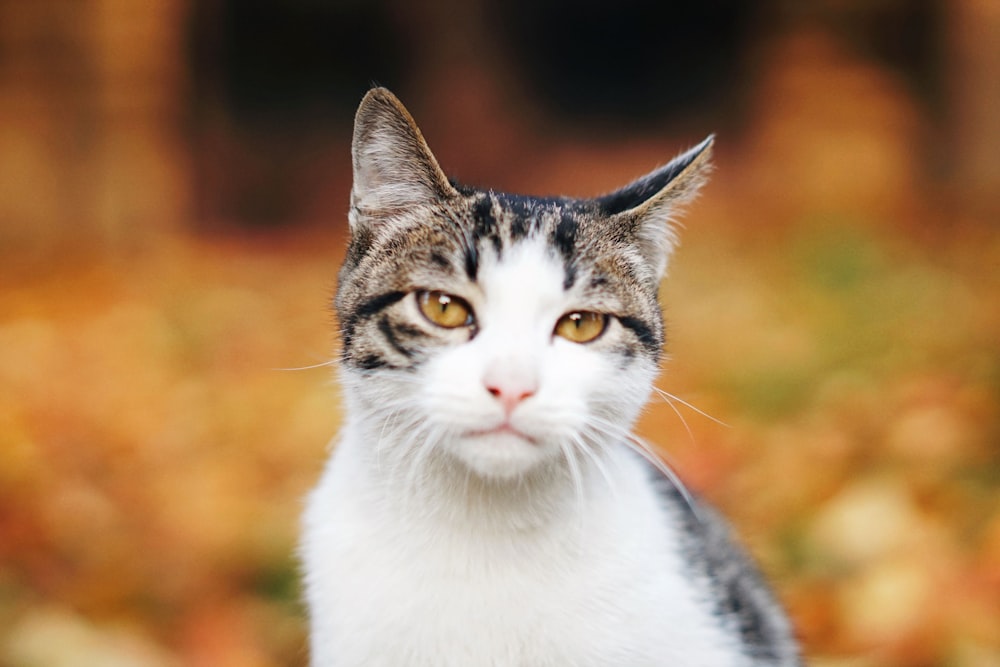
[(581, 326), (445, 310)]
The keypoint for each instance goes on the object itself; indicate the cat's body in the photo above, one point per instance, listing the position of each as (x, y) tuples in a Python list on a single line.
[(485, 504)]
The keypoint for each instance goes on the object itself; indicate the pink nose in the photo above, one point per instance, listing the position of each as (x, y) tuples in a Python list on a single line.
[(510, 381), (510, 394)]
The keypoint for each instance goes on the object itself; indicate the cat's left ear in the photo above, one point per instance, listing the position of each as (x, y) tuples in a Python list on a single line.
[(649, 204)]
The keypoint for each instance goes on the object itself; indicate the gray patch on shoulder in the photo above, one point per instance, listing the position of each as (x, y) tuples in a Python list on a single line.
[(739, 596)]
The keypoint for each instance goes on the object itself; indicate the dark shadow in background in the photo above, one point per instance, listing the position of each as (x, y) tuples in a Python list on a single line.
[(275, 82)]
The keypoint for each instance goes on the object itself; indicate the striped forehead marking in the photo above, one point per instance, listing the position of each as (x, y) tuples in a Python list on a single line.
[(500, 221)]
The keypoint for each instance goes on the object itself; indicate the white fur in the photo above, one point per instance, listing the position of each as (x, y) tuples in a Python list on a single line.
[(428, 545)]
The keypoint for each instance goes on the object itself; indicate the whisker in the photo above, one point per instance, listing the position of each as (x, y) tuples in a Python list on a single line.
[(595, 457), (645, 450), (667, 396), (399, 424), (330, 362), (575, 475), (378, 441), (406, 469), (410, 482)]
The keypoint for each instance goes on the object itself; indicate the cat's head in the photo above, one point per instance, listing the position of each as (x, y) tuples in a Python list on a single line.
[(505, 332)]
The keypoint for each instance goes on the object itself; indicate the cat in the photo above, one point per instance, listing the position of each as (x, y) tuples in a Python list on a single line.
[(486, 503)]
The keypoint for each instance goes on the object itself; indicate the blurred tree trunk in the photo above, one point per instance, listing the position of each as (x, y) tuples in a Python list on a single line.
[(975, 89), (90, 95)]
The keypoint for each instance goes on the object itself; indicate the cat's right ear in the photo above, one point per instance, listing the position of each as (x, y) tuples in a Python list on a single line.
[(393, 167), (648, 205)]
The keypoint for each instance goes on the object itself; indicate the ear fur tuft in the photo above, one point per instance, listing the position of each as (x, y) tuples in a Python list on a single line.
[(648, 204)]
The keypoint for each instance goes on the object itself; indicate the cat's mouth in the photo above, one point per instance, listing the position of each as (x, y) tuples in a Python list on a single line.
[(504, 429)]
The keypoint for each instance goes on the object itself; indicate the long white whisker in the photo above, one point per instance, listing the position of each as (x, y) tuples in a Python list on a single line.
[(645, 450), (667, 396), (575, 475), (402, 428), (605, 427), (407, 460), (584, 446), (388, 424), (428, 439), (677, 412), (330, 362), (407, 470)]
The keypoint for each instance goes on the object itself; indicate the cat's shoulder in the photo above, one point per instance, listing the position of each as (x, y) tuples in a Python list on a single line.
[(733, 583)]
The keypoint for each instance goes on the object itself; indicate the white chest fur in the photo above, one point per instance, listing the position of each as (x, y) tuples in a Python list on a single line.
[(598, 580)]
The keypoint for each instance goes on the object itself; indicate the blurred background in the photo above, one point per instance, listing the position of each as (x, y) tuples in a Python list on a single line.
[(174, 178)]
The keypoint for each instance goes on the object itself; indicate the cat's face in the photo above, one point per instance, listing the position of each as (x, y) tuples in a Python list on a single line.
[(506, 332)]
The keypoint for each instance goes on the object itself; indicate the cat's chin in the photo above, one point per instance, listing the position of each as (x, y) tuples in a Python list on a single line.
[(502, 454)]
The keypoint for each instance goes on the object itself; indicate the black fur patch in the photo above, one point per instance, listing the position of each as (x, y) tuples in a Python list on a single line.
[(386, 328), (484, 223), (570, 276), (367, 309), (408, 330), (520, 206), (525, 211), (471, 261), (440, 260), (482, 216), (377, 304), (643, 332), (641, 190), (520, 225), (564, 239), (361, 242), (738, 592), (371, 362)]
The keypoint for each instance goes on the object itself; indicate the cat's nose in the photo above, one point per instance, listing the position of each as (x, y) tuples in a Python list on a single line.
[(510, 387), (510, 396)]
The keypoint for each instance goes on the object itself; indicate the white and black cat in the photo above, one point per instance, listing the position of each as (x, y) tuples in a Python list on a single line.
[(486, 503)]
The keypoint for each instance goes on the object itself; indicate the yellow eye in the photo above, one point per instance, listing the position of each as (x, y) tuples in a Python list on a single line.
[(445, 310), (581, 326)]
